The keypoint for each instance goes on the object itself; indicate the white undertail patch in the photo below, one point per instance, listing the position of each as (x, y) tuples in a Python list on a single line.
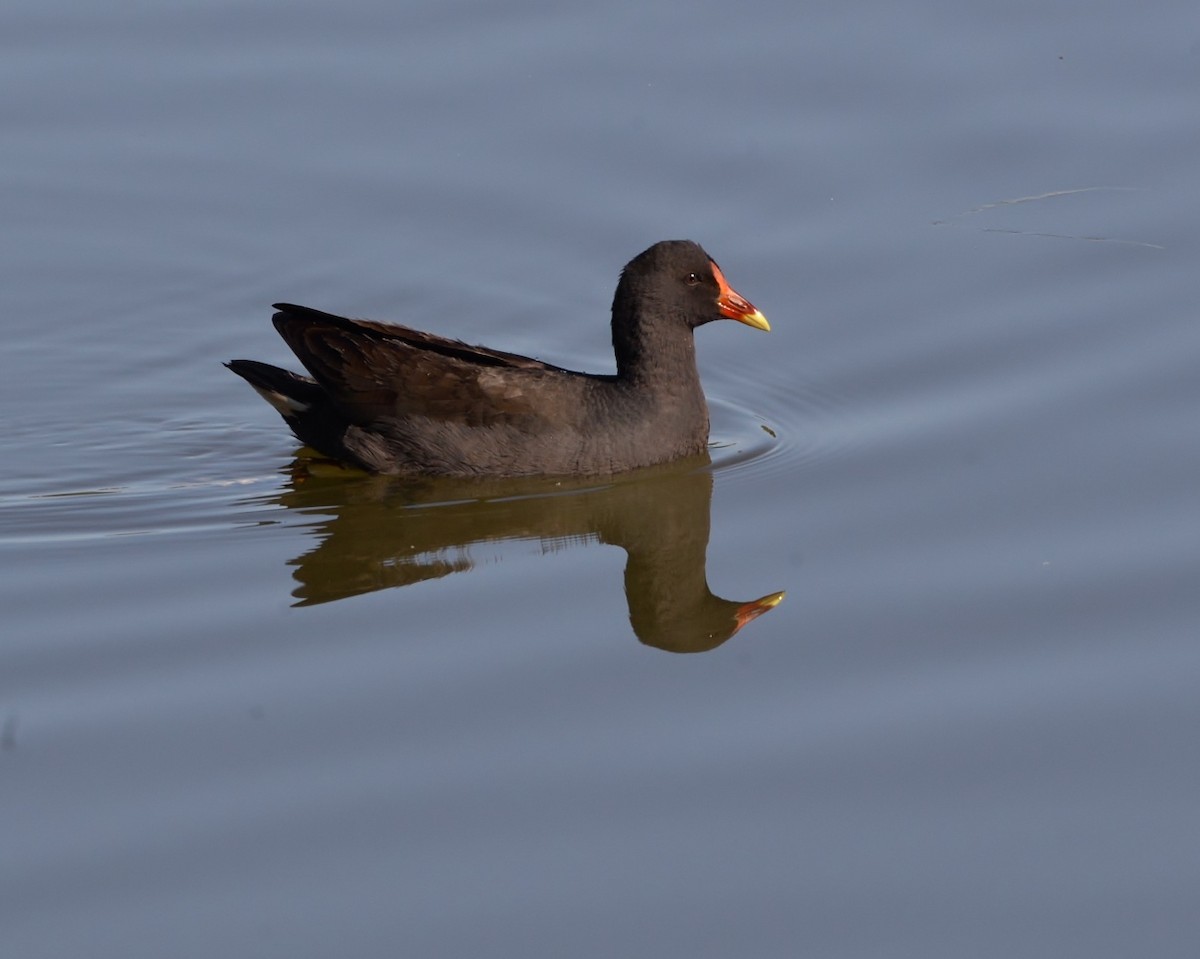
[(286, 405)]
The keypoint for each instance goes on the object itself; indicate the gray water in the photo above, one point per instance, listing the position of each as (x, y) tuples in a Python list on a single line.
[(249, 707)]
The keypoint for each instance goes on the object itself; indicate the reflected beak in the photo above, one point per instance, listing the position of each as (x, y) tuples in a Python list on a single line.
[(755, 608), (733, 306)]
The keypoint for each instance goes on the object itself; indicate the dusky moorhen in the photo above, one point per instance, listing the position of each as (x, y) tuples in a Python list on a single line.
[(394, 400)]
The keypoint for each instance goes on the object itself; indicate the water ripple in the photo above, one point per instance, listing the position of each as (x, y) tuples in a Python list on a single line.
[(785, 427), (782, 429)]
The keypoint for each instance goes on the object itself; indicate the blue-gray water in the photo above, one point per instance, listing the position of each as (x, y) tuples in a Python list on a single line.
[(251, 712)]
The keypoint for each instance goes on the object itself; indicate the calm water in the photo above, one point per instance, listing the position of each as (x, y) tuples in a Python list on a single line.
[(249, 709)]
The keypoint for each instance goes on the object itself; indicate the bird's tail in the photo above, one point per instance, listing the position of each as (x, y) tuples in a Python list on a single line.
[(290, 393)]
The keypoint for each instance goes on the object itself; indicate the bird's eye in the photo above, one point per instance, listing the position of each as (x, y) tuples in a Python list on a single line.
[(691, 279)]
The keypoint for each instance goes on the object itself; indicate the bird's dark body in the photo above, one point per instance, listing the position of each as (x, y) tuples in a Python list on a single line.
[(395, 400)]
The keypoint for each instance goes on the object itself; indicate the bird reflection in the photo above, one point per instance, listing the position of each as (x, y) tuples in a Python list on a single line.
[(380, 532)]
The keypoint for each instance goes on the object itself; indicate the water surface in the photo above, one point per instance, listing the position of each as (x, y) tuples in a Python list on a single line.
[(248, 706)]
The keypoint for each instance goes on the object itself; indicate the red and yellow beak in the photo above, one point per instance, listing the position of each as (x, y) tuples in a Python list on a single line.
[(732, 305), (755, 608)]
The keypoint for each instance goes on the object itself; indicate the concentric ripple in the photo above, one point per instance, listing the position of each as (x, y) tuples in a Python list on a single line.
[(783, 428)]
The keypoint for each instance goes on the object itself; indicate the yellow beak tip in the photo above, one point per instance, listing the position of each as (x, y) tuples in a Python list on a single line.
[(758, 321)]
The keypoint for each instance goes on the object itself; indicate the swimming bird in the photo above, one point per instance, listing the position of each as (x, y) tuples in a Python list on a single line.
[(394, 400)]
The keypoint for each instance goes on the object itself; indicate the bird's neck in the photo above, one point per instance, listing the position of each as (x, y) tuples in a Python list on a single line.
[(651, 356)]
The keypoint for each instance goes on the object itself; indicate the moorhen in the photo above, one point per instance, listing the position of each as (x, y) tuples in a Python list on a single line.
[(394, 400)]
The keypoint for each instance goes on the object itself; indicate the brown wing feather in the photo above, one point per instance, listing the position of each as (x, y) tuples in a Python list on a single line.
[(372, 369)]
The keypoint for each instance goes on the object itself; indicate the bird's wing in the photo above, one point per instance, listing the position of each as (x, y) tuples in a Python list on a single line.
[(377, 370)]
